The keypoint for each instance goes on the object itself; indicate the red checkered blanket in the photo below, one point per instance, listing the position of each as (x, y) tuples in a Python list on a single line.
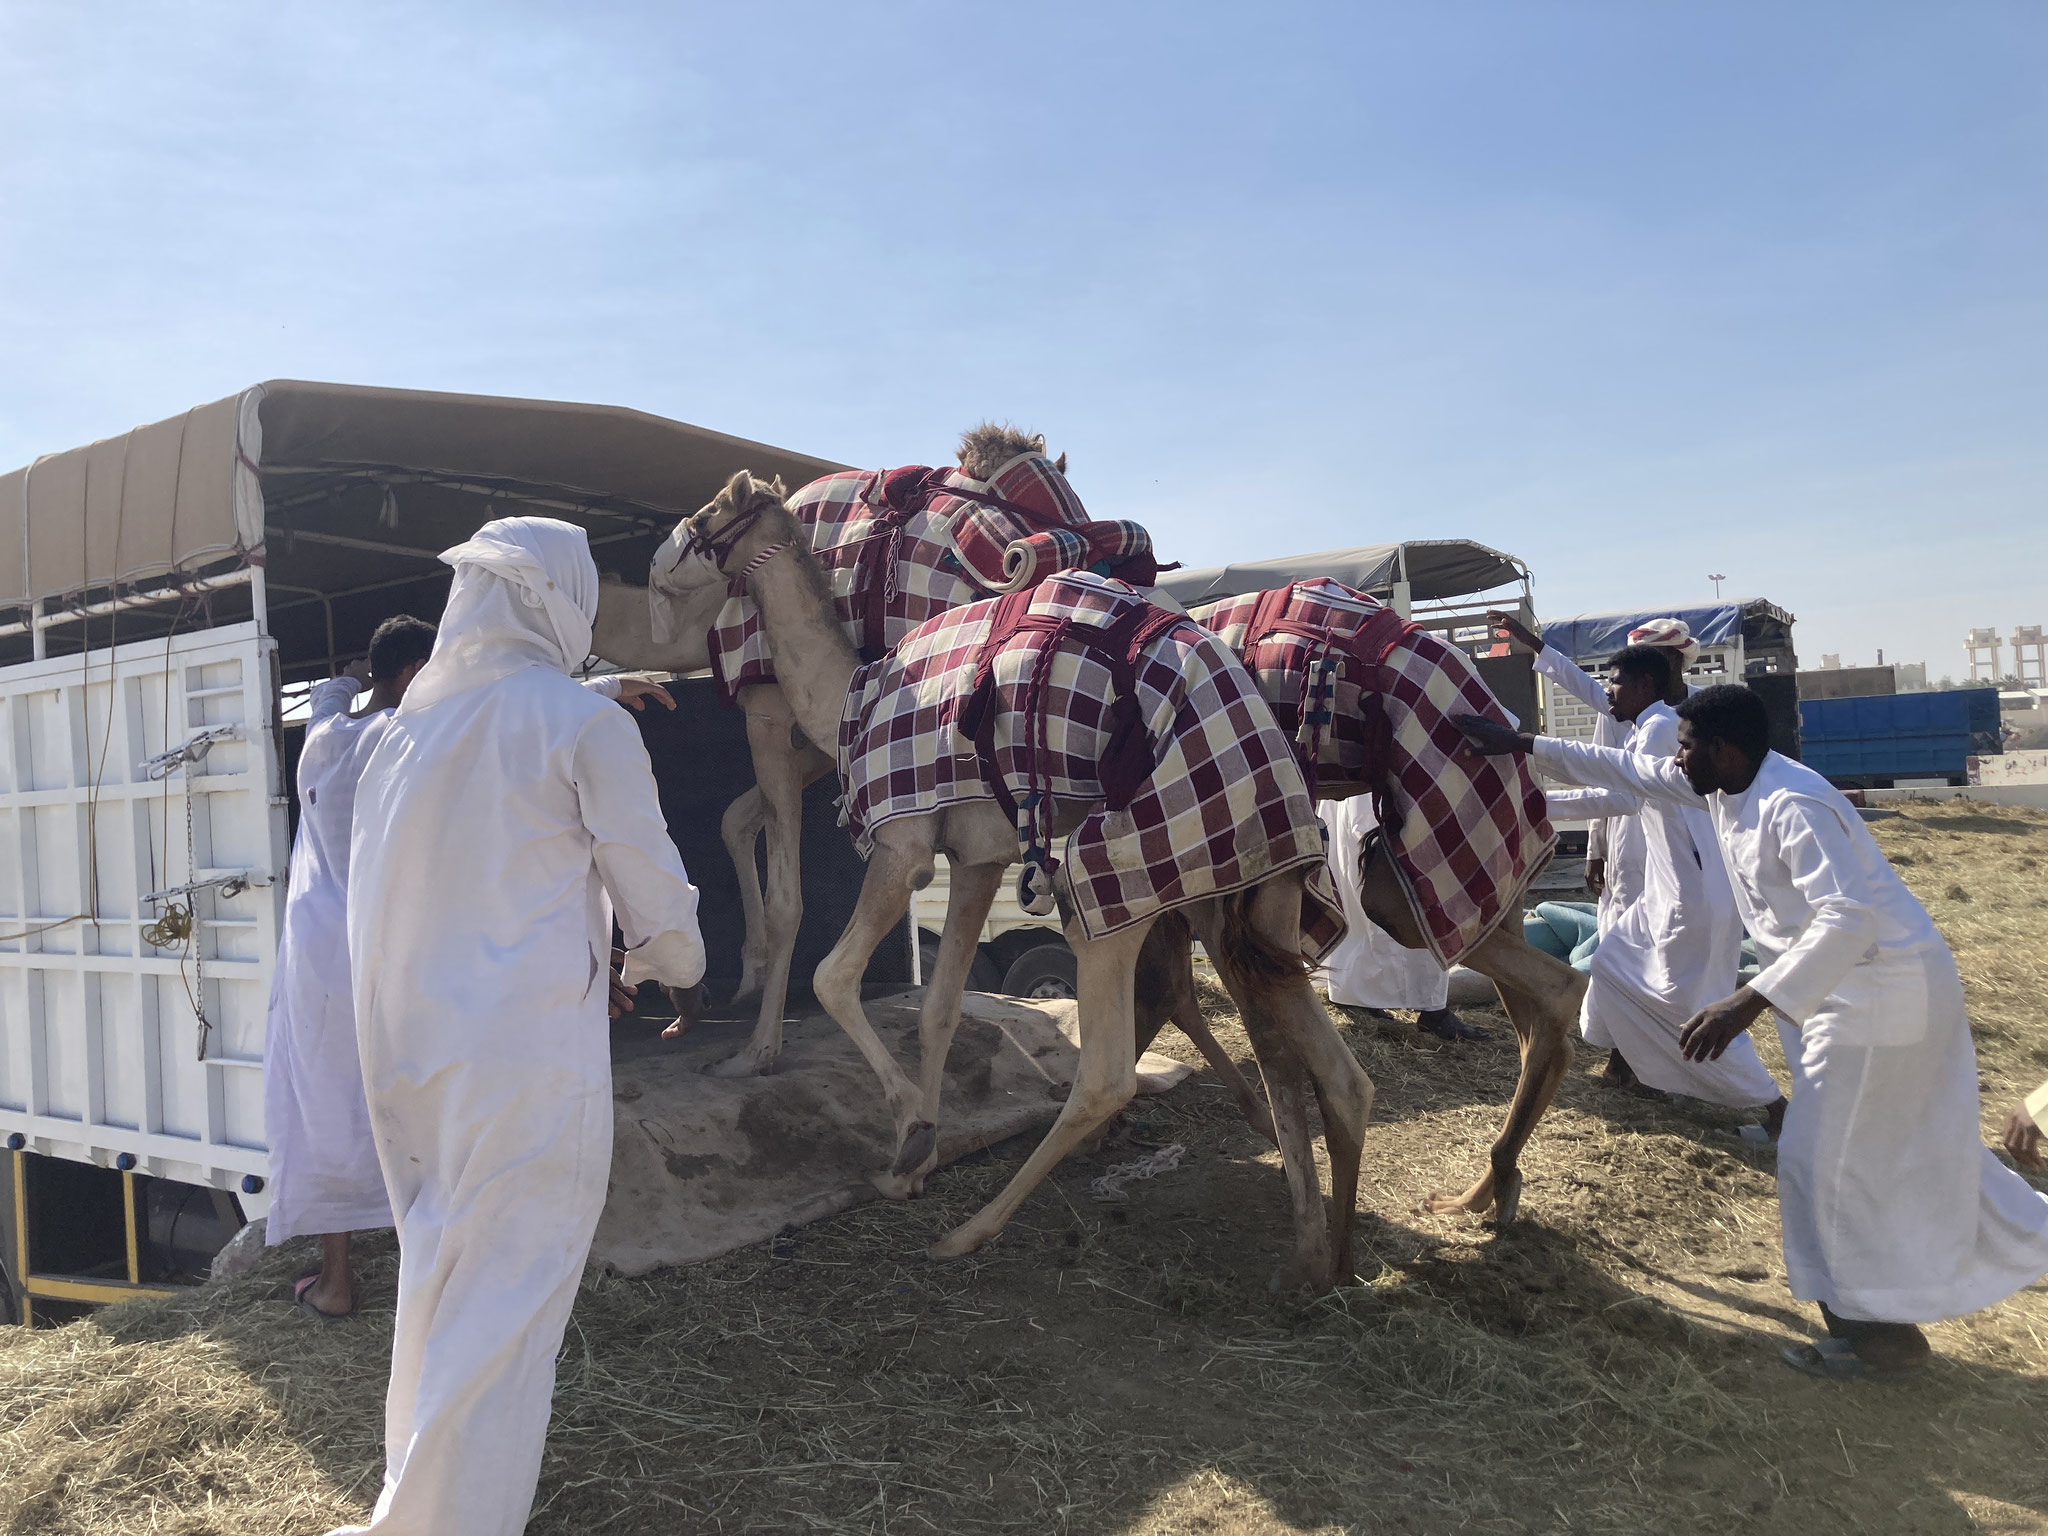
[(1368, 700), (902, 546), (1196, 795)]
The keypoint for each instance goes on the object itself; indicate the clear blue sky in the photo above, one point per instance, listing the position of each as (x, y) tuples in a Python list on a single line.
[(1633, 290)]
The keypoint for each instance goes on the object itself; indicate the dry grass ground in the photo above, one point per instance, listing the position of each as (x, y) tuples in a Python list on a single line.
[(1609, 1365)]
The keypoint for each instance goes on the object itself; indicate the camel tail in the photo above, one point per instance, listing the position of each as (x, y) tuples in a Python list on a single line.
[(1249, 952)]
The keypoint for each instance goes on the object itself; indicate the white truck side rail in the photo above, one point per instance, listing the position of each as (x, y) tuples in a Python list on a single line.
[(143, 846)]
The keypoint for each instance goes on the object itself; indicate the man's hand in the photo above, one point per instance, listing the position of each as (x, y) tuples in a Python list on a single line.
[(2023, 1139), (358, 671), (1596, 876), (1713, 1029), (623, 997), (1519, 634), (634, 692), (689, 1006), (1489, 738)]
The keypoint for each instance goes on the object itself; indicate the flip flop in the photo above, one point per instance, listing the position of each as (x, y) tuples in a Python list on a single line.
[(304, 1284), (1836, 1360)]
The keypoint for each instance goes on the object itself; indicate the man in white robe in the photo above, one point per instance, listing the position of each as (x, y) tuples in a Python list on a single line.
[(500, 809), (1370, 968), (1675, 944), (324, 1175), (1893, 1211), (1613, 874)]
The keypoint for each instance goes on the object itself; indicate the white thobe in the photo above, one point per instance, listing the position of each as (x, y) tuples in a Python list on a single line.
[(324, 1175), (1623, 868), (1891, 1207), (1370, 968), (1675, 945), (491, 822)]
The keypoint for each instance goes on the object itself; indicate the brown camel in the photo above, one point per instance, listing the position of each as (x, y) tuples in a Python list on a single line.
[(1253, 934)]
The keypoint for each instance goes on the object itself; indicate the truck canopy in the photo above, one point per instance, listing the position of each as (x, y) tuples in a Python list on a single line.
[(1435, 570), (339, 491), (1761, 626)]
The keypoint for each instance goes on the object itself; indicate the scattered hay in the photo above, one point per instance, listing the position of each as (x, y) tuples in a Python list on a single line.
[(1607, 1366)]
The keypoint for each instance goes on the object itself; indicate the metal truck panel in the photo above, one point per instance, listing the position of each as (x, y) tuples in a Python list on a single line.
[(144, 769)]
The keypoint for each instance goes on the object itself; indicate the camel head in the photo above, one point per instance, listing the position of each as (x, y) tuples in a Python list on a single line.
[(987, 448), (689, 566)]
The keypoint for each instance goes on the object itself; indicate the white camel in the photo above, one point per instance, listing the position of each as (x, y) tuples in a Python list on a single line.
[(1253, 935)]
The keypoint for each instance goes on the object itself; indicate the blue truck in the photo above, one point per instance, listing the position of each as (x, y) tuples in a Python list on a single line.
[(1873, 741)]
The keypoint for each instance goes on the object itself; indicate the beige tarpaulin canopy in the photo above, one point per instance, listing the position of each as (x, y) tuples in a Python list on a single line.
[(1435, 569), (190, 492)]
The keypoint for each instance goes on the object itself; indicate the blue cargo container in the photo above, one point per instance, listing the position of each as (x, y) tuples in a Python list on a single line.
[(1890, 736)]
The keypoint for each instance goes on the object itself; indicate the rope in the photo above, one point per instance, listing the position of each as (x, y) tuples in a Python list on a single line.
[(1111, 1185)]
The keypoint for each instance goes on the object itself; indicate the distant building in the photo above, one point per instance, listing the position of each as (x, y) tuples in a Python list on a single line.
[(1909, 676)]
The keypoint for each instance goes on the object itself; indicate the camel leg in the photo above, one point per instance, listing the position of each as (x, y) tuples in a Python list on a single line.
[(971, 891), (780, 772), (1104, 1080), (896, 868), (740, 829), (1165, 989), (1541, 994), (1297, 1042)]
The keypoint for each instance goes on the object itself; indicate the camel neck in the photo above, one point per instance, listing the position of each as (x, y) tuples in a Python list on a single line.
[(814, 664)]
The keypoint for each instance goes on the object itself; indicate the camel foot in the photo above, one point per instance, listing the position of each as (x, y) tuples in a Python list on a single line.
[(916, 1149), (956, 1244), (750, 1062), (1475, 1201), (891, 1185), (1507, 1197)]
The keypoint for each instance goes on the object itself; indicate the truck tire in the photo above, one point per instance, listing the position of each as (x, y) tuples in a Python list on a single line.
[(1044, 972)]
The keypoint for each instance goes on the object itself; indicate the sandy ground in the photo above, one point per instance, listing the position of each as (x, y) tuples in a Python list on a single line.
[(1609, 1364)]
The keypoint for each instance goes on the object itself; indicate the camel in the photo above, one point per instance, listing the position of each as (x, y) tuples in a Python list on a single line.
[(785, 763), (1253, 933), (1540, 993)]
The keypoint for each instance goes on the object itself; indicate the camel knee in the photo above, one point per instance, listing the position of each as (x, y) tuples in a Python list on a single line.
[(836, 981), (1093, 1103)]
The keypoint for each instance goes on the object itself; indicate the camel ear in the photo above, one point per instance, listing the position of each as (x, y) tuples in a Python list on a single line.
[(1060, 463), (776, 489), (739, 490)]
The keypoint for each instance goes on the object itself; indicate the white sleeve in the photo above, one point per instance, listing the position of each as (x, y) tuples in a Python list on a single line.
[(1574, 679), (332, 696), (652, 898), (606, 687), (1633, 773), (1590, 805), (1814, 848)]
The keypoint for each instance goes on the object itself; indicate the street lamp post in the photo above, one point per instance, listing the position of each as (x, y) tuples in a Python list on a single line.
[(1716, 578)]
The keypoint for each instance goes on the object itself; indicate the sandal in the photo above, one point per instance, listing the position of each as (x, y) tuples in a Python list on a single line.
[(1836, 1360), (1446, 1025), (304, 1284)]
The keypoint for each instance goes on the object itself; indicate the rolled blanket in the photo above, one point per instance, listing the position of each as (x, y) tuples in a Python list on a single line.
[(1115, 548)]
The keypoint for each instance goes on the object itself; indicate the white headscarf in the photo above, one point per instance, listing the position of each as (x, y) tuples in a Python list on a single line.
[(525, 595)]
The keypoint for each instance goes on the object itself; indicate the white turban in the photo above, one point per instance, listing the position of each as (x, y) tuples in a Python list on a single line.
[(525, 595), (1668, 635)]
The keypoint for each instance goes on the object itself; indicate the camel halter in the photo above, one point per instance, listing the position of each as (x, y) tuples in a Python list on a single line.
[(739, 581)]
